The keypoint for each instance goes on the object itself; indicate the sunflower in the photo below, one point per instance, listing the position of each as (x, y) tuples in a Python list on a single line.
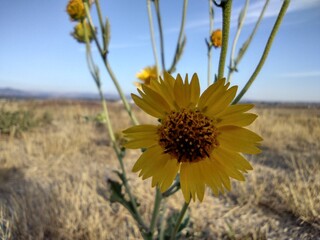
[(200, 137), (146, 75)]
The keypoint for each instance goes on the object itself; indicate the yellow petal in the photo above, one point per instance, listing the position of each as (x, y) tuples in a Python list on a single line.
[(155, 99), (171, 172), (141, 129), (145, 106), (233, 158), (199, 180), (146, 156), (165, 89), (141, 136), (155, 165), (228, 168), (235, 109), (240, 120), (184, 176), (238, 139), (214, 91), (195, 90), (208, 176), (216, 105)]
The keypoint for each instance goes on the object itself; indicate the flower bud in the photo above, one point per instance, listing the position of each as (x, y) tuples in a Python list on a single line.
[(75, 9), (216, 38), (78, 32)]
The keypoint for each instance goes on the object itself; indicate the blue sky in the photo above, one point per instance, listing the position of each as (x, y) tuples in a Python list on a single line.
[(38, 53)]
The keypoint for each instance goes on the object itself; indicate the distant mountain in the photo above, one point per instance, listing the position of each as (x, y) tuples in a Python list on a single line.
[(21, 94)]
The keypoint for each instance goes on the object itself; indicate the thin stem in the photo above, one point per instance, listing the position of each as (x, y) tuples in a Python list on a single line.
[(97, 3), (103, 55), (179, 220), (209, 46), (177, 54), (226, 12), (162, 222), (92, 28), (266, 50), (174, 188), (156, 3), (156, 209), (247, 43), (245, 46), (95, 75), (153, 39), (122, 96), (236, 38)]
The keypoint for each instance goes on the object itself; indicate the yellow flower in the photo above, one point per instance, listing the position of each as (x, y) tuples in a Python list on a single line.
[(216, 38), (78, 32), (75, 9), (200, 137), (146, 75)]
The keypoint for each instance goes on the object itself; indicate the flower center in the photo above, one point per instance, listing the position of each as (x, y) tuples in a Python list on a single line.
[(187, 135)]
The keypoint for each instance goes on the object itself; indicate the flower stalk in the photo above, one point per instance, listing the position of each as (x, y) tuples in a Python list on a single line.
[(266, 51), (179, 220), (226, 15), (152, 35), (234, 65), (181, 39), (242, 17), (157, 7), (103, 54), (209, 46)]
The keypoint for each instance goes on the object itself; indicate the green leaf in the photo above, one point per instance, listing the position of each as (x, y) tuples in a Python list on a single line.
[(171, 222), (107, 33), (118, 196)]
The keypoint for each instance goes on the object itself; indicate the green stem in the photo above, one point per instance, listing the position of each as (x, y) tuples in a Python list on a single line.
[(153, 39), (122, 96), (266, 51), (247, 43), (174, 188), (156, 209), (177, 54), (235, 41), (92, 28), (156, 3), (179, 220), (226, 12), (210, 46), (103, 55), (245, 46), (95, 75), (97, 3), (162, 222)]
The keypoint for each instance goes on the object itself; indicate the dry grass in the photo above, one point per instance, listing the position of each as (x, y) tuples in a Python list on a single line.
[(52, 180)]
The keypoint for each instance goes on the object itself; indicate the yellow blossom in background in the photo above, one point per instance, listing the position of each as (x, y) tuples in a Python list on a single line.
[(200, 137), (78, 32), (146, 75), (75, 9), (216, 38)]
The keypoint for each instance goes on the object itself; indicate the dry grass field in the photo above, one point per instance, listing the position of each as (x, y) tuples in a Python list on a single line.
[(53, 179)]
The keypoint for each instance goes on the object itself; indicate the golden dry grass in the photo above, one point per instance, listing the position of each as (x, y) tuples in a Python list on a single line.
[(53, 180)]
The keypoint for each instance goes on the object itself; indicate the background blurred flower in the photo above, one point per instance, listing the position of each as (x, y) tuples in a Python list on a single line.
[(216, 38), (75, 9), (202, 137), (78, 32), (146, 75)]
